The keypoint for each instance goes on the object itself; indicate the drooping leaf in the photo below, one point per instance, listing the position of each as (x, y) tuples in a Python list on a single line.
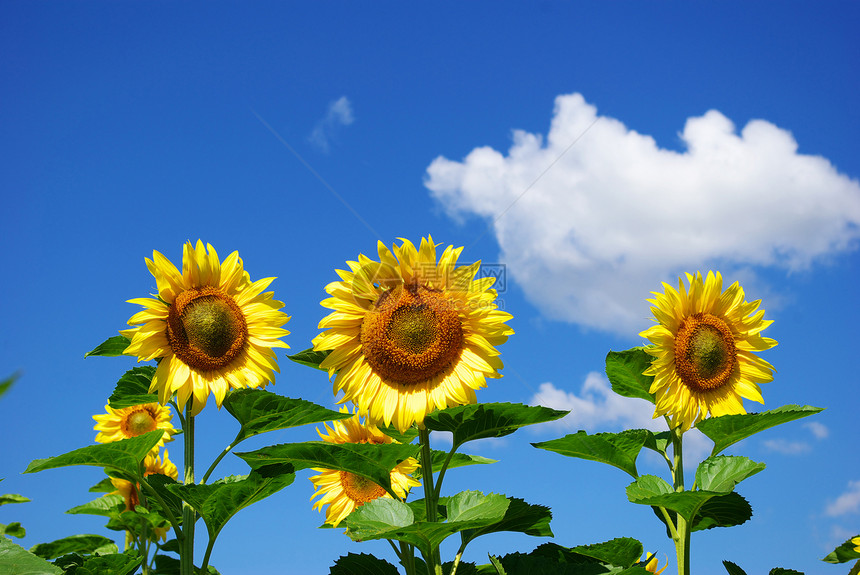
[(83, 544), (372, 461), (726, 510), (520, 517), (218, 502), (310, 358), (721, 473), (483, 420), (123, 456), (659, 442), (161, 484), (110, 505), (617, 449), (457, 460), (843, 553), (733, 569), (407, 436), (103, 486), (133, 388), (15, 560), (354, 563), (258, 411), (12, 498), (14, 529), (115, 564), (624, 370), (653, 490), (727, 430), (111, 347)]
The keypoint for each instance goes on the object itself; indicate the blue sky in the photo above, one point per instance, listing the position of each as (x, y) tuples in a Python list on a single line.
[(595, 149)]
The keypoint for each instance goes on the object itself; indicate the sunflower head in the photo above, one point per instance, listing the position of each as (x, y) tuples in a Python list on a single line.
[(212, 328), (856, 543), (342, 491), (703, 347), (153, 463), (410, 334), (132, 421)]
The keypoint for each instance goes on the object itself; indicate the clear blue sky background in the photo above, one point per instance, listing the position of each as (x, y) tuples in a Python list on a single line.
[(300, 134)]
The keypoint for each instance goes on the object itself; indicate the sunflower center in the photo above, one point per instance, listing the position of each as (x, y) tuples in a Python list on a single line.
[(139, 422), (412, 334), (205, 328), (360, 489), (705, 353)]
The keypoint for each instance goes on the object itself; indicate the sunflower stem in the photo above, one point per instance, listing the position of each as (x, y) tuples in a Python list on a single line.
[(186, 556), (218, 459), (431, 499), (683, 532)]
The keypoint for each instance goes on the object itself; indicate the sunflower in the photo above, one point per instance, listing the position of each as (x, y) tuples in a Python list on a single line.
[(703, 350), (343, 491), (127, 422), (409, 335), (856, 543), (152, 464), (211, 326), (651, 564)]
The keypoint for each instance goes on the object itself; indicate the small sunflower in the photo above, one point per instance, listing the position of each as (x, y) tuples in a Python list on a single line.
[(856, 543), (128, 422), (152, 464), (651, 564), (703, 350), (343, 491), (409, 335), (211, 326)]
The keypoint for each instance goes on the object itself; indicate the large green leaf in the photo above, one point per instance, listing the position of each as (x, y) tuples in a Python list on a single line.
[(218, 502), (85, 544), (483, 420), (310, 357), (123, 456), (617, 556), (12, 498), (110, 505), (372, 461), (161, 484), (111, 347), (133, 388), (617, 449), (457, 460), (258, 411), (15, 560), (726, 510), (721, 473), (624, 370), (727, 430), (843, 553), (520, 517), (652, 490), (115, 564), (355, 563)]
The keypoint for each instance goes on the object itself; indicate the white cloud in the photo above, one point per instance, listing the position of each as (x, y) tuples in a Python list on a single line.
[(848, 502), (589, 230), (787, 447), (597, 408), (339, 114), (819, 430)]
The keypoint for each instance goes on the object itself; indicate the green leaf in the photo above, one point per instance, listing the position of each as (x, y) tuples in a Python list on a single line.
[(407, 436), (726, 510), (497, 565), (111, 347), (84, 544), (457, 460), (103, 486), (483, 420), (617, 449), (727, 430), (722, 472), (161, 484), (15, 560), (12, 498), (354, 563), (372, 461), (784, 571), (310, 357), (133, 388), (659, 442), (108, 506), (123, 456), (624, 370), (843, 553), (258, 411), (617, 556), (652, 490), (520, 517), (115, 564), (13, 530), (218, 502), (733, 569), (7, 383)]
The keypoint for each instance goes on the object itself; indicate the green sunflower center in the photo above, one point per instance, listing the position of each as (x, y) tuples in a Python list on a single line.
[(705, 353), (139, 422), (206, 328), (412, 334), (360, 489)]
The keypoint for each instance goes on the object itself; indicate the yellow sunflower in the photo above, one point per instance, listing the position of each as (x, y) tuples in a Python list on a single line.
[(343, 491), (703, 350), (211, 326), (856, 543), (128, 422), (152, 464), (651, 564), (409, 335)]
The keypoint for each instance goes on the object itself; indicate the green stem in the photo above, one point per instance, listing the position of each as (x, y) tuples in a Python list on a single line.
[(431, 500), (186, 554), (683, 532), (407, 557), (219, 458), (442, 471)]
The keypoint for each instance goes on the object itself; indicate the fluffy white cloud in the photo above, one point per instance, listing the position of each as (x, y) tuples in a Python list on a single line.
[(787, 447), (819, 430), (339, 114), (848, 502), (593, 217)]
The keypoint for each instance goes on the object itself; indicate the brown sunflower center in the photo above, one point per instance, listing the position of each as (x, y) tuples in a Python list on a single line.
[(705, 353), (412, 334), (360, 489), (205, 328), (139, 422)]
